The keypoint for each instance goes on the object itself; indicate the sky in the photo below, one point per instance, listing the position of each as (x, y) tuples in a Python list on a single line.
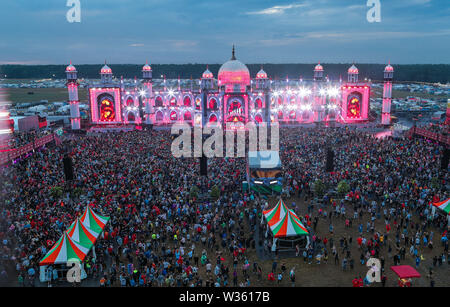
[(203, 31)]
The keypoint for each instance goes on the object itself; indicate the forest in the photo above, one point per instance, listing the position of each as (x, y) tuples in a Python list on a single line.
[(415, 72)]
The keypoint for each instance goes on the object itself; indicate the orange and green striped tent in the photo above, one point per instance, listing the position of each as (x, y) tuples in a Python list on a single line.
[(276, 213), (288, 226), (65, 250)]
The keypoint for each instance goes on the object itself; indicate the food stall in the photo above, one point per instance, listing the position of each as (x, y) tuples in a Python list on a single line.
[(405, 274)]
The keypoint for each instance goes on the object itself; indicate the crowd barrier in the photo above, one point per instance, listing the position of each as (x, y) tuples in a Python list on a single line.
[(430, 135), (15, 153)]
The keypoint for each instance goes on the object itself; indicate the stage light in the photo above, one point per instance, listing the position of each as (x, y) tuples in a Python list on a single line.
[(302, 92), (273, 182), (142, 92), (333, 92), (322, 92), (5, 131), (258, 182)]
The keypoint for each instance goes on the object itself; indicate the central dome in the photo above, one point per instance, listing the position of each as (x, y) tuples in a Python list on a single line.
[(234, 71)]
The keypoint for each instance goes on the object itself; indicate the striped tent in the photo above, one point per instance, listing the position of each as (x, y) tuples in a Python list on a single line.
[(64, 250), (443, 205), (276, 213), (93, 221), (288, 226), (82, 234)]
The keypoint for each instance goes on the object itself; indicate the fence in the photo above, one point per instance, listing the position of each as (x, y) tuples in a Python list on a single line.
[(14, 153), (429, 135)]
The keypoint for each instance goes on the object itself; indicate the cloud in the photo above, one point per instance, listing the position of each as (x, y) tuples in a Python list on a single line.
[(137, 45), (294, 39), (278, 9), (22, 62)]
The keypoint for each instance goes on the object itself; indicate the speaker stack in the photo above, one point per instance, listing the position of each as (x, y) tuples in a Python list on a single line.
[(329, 166), (203, 166), (445, 158), (68, 167)]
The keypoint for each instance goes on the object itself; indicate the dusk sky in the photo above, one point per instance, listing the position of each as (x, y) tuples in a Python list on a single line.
[(200, 31)]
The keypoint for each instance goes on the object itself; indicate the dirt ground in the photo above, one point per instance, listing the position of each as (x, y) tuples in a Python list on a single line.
[(331, 274)]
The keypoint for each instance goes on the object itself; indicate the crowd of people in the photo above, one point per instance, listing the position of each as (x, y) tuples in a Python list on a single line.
[(18, 139), (164, 232)]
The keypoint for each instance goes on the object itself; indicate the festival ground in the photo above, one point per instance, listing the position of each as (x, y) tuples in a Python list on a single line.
[(124, 196)]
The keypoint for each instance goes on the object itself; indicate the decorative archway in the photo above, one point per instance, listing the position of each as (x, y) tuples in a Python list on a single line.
[(292, 115), (258, 103), (258, 118), (131, 117), (354, 105), (280, 115), (172, 101), (213, 118), (173, 115), (106, 106), (159, 116), (159, 101), (198, 103), (129, 101), (187, 116), (212, 104), (187, 101)]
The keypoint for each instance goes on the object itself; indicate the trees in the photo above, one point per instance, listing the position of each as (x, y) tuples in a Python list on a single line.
[(343, 187), (414, 72), (215, 193), (435, 184), (56, 192), (193, 193), (319, 187)]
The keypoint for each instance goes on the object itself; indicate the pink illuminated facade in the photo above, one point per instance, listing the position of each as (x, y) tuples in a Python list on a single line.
[(233, 98)]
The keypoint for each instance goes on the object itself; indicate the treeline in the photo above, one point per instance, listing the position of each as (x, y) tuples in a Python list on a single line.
[(417, 72)]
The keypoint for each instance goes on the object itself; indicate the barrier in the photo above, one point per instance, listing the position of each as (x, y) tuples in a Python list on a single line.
[(14, 153), (430, 135)]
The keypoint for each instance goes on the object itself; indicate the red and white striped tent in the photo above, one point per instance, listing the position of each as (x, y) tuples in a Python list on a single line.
[(65, 250), (276, 213), (443, 205), (82, 234), (93, 221)]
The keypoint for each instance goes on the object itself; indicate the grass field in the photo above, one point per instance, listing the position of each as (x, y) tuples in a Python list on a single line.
[(403, 94), (50, 94)]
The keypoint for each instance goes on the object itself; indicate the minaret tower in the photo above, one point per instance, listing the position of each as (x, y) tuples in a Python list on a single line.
[(206, 85), (106, 74), (148, 88), (263, 84), (72, 87), (353, 73), (387, 95), (207, 81), (318, 101)]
